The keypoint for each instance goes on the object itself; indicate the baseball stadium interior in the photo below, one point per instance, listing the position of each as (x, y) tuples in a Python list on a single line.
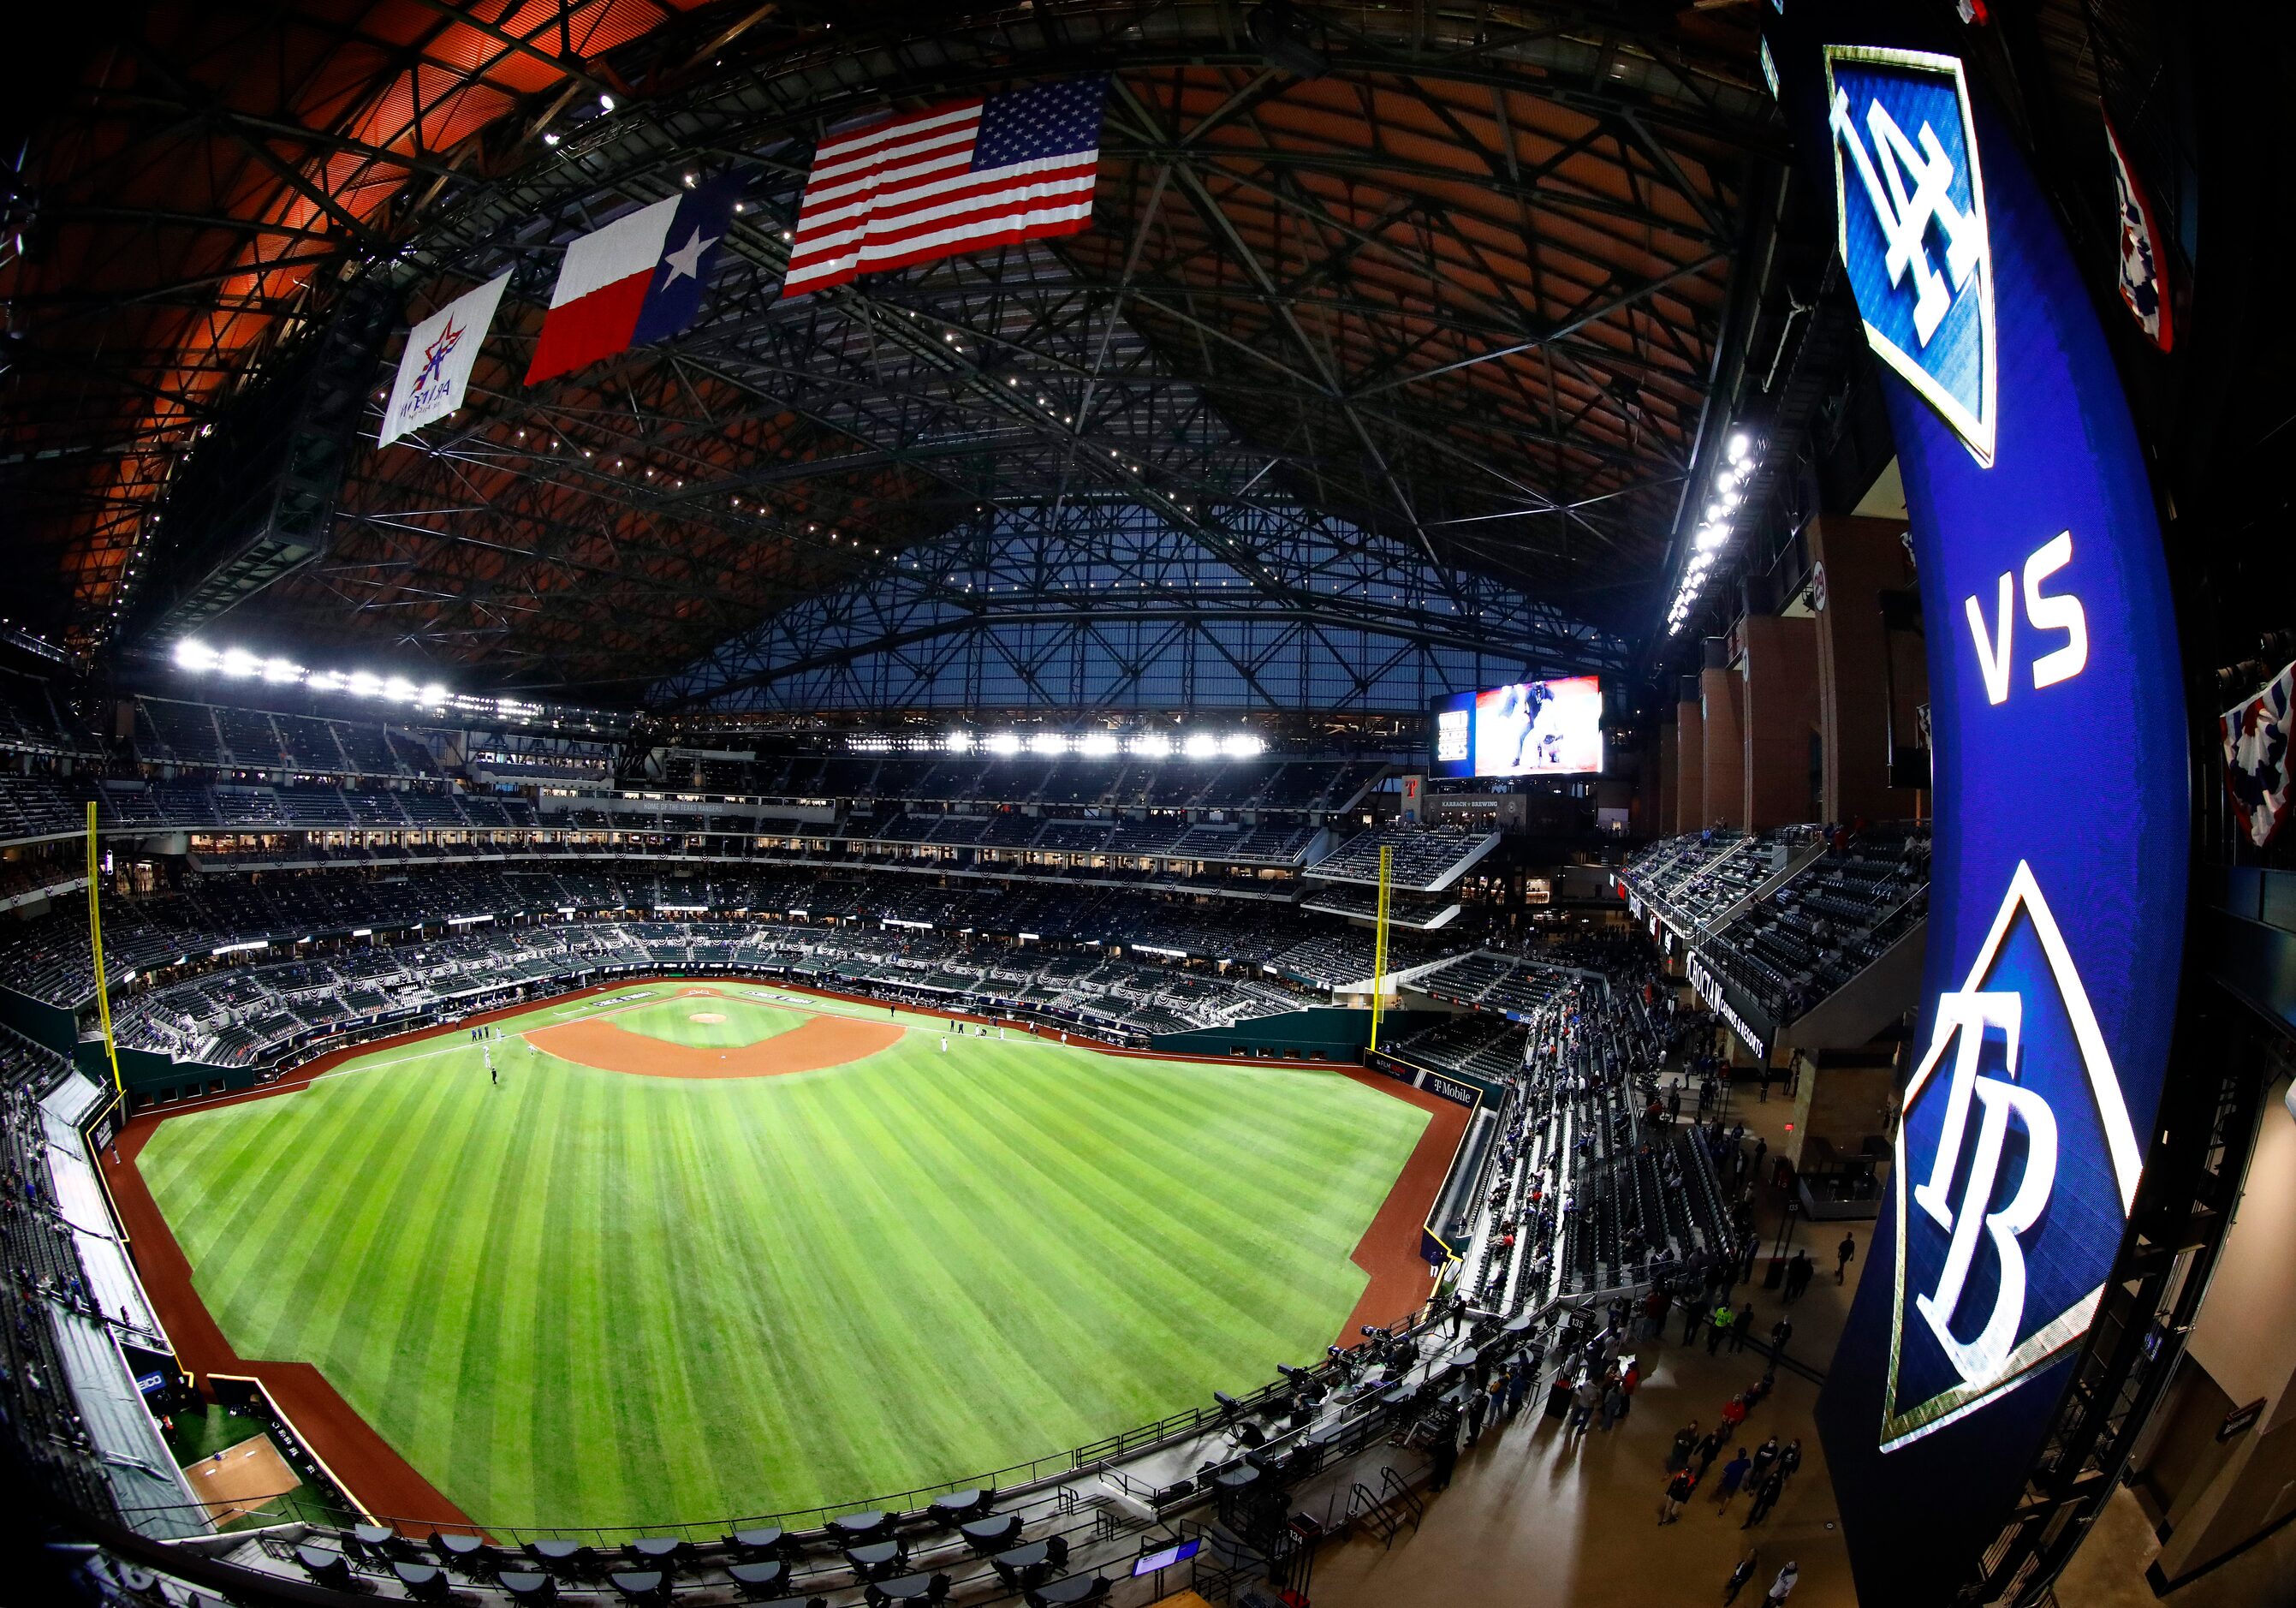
[(1279, 803)]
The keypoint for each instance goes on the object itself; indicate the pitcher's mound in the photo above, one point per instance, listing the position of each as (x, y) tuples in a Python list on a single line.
[(821, 1041), (707, 1016)]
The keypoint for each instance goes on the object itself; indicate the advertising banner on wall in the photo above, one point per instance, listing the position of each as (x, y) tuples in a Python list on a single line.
[(2058, 877)]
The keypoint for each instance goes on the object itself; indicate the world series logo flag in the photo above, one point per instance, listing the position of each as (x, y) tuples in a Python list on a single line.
[(435, 369), (952, 178)]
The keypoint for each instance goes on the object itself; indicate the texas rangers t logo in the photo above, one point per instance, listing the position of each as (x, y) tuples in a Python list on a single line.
[(1910, 212)]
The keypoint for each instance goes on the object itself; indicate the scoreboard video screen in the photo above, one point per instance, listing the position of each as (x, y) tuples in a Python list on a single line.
[(1527, 728)]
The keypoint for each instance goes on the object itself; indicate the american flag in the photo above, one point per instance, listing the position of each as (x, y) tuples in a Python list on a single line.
[(952, 178)]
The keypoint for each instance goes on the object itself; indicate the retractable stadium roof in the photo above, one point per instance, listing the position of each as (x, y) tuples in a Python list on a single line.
[(1454, 280)]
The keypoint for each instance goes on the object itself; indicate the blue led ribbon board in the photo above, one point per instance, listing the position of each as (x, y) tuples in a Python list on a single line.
[(2062, 820)]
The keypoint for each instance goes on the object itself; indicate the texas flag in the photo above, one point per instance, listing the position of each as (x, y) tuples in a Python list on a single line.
[(638, 280)]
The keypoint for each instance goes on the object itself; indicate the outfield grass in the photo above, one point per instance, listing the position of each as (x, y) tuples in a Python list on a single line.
[(590, 1298)]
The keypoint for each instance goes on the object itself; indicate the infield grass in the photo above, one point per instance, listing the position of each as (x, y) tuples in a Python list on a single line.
[(589, 1298)]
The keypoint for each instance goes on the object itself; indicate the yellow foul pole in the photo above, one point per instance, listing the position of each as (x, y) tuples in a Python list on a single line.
[(96, 949), (1378, 942)]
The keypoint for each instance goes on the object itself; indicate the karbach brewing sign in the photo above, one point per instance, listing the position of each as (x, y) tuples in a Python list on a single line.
[(2058, 869)]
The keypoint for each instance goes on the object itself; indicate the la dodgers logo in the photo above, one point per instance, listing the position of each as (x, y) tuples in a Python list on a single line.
[(1910, 214), (2015, 1169)]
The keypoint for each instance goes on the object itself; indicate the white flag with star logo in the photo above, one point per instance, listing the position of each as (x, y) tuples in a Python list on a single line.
[(436, 366)]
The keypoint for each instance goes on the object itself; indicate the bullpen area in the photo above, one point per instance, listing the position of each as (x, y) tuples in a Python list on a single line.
[(687, 1251)]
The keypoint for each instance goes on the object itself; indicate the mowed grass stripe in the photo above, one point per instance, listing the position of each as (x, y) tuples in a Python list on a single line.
[(491, 1396), (590, 1298), (928, 1364), (1081, 1336), (448, 1246), (1219, 1249), (564, 1343)]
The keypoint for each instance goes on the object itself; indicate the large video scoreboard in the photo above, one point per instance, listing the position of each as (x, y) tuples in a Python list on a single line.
[(2058, 885)]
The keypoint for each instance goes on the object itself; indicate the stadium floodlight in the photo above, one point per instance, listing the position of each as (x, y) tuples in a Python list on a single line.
[(326, 681), (1151, 745), (1726, 481), (1096, 745), (399, 690), (280, 669), (433, 693), (191, 655), (1004, 744), (1242, 745), (1050, 744), (1740, 444), (239, 661), (359, 684), (1711, 537), (958, 742), (1201, 745)]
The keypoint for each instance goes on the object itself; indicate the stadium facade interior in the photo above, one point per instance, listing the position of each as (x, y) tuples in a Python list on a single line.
[(1236, 801)]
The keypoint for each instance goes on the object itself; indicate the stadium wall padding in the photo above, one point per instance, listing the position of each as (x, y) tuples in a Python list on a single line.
[(41, 1023), (1336, 1032), (143, 1071)]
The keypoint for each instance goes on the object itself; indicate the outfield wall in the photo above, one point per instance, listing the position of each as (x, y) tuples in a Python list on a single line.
[(1333, 1032), (40, 1021)]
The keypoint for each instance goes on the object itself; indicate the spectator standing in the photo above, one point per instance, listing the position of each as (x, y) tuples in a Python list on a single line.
[(1766, 1498), (1478, 1404), (1764, 1458), (1614, 1405), (1782, 1586), (1844, 1254), (1717, 1324), (1583, 1400), (1654, 1311), (1737, 1580), (1685, 1442), (1739, 1325), (1444, 1452), (1709, 1447), (1694, 1313), (1781, 1332), (1734, 1475), (1677, 1492)]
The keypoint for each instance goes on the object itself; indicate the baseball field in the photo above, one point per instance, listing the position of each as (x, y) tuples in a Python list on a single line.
[(685, 1251)]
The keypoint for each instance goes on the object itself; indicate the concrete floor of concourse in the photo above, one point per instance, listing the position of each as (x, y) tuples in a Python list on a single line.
[(1532, 1518)]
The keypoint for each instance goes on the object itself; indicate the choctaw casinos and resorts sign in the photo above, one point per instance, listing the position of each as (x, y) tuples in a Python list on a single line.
[(2057, 888)]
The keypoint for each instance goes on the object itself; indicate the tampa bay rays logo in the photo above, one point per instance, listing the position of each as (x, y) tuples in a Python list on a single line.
[(435, 356), (2016, 1152), (1910, 211)]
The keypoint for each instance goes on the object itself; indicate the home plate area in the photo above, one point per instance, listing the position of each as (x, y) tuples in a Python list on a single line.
[(815, 1043)]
